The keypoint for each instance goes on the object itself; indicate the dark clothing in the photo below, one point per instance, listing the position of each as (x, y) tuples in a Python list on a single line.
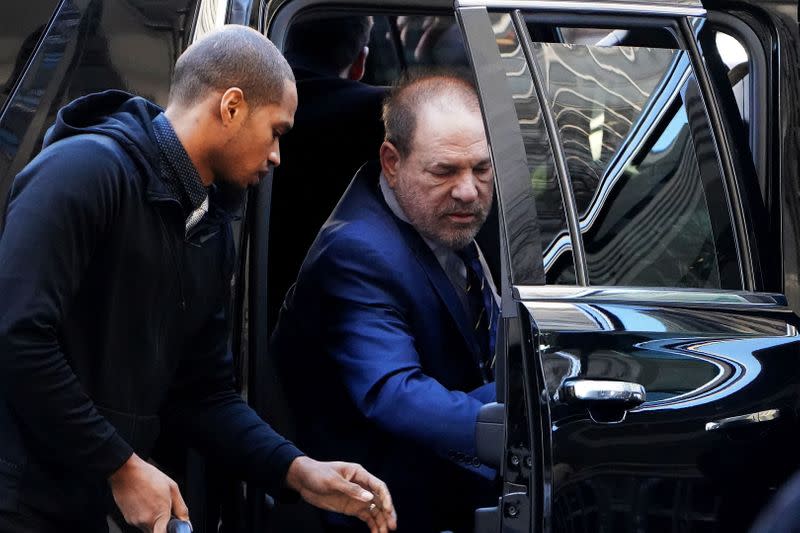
[(393, 359), (26, 520), (113, 321), (337, 128), (176, 168)]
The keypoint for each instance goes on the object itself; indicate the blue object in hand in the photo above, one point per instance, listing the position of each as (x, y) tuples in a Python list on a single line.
[(178, 526)]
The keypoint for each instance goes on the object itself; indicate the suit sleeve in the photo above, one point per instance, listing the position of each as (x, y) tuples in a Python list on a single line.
[(369, 338), (204, 408), (59, 209)]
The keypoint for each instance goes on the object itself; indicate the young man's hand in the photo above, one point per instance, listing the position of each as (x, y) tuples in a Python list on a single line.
[(344, 488), (147, 497)]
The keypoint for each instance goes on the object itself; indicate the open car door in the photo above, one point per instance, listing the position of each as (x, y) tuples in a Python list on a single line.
[(649, 382)]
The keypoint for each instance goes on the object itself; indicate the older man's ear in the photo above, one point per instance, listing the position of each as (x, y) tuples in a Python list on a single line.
[(390, 161)]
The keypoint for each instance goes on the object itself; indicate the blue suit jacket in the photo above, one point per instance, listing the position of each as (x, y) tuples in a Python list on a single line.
[(380, 362)]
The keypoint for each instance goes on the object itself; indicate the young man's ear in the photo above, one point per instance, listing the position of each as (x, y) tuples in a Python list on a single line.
[(390, 161), (232, 106)]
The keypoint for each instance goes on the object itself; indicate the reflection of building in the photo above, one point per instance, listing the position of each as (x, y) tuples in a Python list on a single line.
[(627, 127)]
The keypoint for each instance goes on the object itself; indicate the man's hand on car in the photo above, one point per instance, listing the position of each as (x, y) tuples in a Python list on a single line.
[(344, 488), (147, 497)]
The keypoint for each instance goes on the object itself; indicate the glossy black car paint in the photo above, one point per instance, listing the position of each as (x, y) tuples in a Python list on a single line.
[(666, 464)]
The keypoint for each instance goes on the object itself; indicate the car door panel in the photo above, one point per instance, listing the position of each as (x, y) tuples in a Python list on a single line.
[(720, 371), (707, 442)]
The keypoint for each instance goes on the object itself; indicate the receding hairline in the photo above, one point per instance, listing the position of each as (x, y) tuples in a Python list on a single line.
[(442, 91), (440, 85)]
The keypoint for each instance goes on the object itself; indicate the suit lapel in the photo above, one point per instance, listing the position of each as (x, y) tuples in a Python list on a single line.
[(441, 283)]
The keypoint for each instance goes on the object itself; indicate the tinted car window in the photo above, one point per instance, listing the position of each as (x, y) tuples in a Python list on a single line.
[(407, 41), (21, 26), (637, 146), (105, 45), (546, 235)]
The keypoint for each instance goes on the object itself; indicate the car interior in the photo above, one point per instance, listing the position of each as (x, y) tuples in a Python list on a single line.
[(397, 43)]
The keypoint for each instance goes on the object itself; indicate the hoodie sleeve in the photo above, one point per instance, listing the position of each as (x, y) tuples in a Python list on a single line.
[(59, 208), (203, 407)]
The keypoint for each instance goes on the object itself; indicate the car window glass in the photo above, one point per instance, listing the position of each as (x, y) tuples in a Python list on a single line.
[(543, 187), (21, 26), (401, 42), (101, 45), (631, 123)]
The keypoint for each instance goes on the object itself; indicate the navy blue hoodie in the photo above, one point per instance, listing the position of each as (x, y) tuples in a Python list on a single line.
[(113, 322)]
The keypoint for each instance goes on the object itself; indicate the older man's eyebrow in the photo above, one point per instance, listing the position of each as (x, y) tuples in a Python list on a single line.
[(443, 166)]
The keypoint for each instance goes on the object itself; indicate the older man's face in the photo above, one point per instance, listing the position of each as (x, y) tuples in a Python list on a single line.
[(445, 184)]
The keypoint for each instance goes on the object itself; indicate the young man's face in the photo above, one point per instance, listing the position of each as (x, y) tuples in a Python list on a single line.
[(248, 155), (444, 185)]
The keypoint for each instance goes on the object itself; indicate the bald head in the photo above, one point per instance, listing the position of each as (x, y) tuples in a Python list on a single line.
[(233, 56), (452, 91)]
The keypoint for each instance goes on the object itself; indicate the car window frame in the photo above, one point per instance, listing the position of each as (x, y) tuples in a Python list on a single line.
[(733, 196), (762, 196)]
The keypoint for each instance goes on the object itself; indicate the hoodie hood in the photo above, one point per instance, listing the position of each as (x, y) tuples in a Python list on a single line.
[(128, 119), (122, 116)]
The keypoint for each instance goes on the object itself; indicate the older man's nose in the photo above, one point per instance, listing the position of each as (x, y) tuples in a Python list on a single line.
[(466, 189)]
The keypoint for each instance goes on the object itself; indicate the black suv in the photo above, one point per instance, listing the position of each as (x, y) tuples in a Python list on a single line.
[(646, 237)]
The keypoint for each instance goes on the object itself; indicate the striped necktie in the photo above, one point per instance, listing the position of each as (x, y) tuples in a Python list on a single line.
[(483, 307)]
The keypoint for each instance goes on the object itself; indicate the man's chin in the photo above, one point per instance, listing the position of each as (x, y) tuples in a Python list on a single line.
[(232, 184), (455, 240)]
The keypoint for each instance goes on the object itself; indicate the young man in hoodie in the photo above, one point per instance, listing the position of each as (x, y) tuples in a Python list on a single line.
[(115, 268)]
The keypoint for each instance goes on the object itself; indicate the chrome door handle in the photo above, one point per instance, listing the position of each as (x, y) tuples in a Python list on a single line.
[(743, 420), (605, 391)]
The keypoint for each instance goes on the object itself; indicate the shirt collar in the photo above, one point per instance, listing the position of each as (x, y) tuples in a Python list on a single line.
[(452, 265), (446, 257), (177, 169)]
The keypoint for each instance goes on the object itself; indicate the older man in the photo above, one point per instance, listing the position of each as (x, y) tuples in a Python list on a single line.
[(115, 266), (392, 321)]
